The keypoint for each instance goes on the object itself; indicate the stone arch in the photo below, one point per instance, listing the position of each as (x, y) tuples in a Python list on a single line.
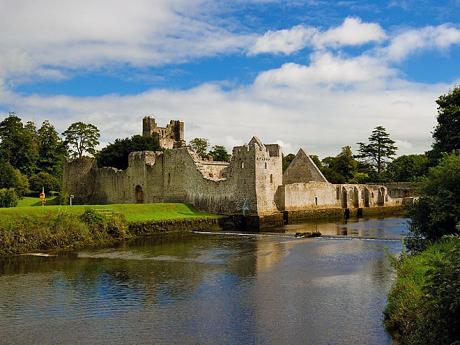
[(355, 197), (139, 194), (344, 198), (381, 197), (366, 197)]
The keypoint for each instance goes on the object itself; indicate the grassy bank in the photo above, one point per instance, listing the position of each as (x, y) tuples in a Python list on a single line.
[(423, 304), (132, 212), (36, 228)]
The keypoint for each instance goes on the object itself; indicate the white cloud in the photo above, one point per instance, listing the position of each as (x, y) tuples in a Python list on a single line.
[(41, 35), (351, 32), (284, 41), (328, 69), (413, 40)]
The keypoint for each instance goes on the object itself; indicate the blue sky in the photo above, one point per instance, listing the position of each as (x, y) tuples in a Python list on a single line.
[(311, 74)]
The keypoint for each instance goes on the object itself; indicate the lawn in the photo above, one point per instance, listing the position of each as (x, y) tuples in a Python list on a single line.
[(132, 212)]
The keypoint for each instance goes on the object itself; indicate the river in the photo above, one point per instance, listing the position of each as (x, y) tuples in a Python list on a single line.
[(208, 289)]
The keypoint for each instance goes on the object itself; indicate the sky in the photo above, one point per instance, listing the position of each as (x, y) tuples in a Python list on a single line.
[(301, 73)]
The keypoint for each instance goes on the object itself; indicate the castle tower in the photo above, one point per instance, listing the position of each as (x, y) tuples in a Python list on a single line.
[(169, 137)]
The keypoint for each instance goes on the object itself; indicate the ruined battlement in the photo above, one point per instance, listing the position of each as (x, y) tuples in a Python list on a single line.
[(171, 136)]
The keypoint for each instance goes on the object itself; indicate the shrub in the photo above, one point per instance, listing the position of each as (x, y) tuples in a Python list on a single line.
[(8, 197), (423, 305)]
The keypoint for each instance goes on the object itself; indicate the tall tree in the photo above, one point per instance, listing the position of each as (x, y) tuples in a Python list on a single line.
[(51, 150), (80, 138), (219, 153), (116, 154), (19, 144), (447, 132), (379, 150), (200, 146)]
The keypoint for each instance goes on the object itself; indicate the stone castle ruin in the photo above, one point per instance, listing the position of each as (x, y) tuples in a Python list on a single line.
[(251, 184)]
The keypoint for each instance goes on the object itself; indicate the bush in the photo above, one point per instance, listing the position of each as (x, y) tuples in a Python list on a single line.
[(423, 305), (8, 197), (44, 180), (101, 224)]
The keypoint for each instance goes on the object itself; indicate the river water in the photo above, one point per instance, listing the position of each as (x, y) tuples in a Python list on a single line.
[(208, 289)]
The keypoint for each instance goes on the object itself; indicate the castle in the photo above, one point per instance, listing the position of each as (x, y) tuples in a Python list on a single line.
[(251, 184)]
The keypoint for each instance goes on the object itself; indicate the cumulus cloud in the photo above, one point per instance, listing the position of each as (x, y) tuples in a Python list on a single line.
[(351, 32), (42, 35), (413, 40)]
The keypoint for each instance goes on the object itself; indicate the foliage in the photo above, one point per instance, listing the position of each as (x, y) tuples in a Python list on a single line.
[(13, 178), (287, 160), (447, 132), (342, 168), (116, 154), (423, 305), (18, 144), (44, 180), (379, 150), (219, 153), (437, 211), (51, 150), (101, 224), (8, 197), (200, 146), (80, 138), (407, 168)]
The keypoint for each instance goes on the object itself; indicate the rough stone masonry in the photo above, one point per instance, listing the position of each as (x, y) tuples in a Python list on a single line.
[(252, 183)]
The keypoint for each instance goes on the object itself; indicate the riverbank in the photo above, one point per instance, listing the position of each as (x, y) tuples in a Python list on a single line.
[(423, 305), (27, 229)]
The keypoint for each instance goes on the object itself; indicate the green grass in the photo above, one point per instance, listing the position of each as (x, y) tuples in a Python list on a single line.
[(132, 212), (33, 201)]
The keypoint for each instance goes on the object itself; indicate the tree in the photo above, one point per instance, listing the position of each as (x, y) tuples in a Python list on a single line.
[(18, 144), (446, 135), (287, 160), (13, 178), (219, 153), (200, 146), (44, 180), (380, 149), (437, 212), (80, 138), (116, 154), (51, 150), (407, 168)]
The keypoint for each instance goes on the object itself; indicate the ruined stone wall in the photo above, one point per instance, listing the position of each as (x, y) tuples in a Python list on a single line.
[(171, 136), (298, 196)]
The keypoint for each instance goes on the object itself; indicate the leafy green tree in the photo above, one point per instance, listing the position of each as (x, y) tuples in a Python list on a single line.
[(200, 146), (287, 160), (51, 150), (13, 178), (44, 180), (379, 150), (80, 138), (18, 144), (407, 168), (116, 154), (219, 153), (447, 132), (437, 212)]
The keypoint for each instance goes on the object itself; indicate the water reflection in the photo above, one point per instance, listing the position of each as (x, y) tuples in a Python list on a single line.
[(204, 289)]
